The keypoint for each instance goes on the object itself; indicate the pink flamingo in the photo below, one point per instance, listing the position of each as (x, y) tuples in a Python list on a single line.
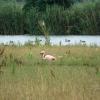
[(47, 57)]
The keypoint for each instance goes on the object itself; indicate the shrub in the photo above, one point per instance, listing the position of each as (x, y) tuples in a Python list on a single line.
[(11, 19), (80, 18)]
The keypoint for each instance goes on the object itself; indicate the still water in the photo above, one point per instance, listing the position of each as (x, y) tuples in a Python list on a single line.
[(54, 40)]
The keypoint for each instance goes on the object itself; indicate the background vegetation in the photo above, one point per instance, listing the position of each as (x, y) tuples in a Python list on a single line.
[(81, 17)]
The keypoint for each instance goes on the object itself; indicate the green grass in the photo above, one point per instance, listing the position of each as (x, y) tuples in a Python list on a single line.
[(74, 76)]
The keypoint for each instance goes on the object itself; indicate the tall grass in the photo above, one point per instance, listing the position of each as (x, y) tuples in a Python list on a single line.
[(80, 18), (11, 18), (84, 17), (44, 30), (75, 76)]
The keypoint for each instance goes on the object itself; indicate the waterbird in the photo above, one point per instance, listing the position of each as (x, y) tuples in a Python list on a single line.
[(46, 56), (82, 41), (66, 40)]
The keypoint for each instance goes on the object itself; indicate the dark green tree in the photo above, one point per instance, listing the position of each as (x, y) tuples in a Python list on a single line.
[(41, 4), (65, 3)]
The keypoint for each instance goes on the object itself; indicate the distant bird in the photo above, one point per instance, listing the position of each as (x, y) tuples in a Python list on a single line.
[(47, 57), (82, 41), (66, 40)]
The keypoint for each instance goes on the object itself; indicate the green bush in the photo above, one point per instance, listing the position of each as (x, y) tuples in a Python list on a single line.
[(11, 19), (80, 18), (85, 18), (41, 4)]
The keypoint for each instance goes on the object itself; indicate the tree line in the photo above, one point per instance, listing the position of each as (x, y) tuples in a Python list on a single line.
[(61, 17)]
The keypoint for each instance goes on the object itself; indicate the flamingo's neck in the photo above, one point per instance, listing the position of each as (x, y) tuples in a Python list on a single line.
[(43, 56)]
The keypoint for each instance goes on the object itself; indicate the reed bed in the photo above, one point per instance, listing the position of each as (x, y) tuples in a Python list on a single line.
[(80, 19), (75, 75)]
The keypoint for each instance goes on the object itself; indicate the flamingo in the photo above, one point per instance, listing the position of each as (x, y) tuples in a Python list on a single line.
[(47, 57)]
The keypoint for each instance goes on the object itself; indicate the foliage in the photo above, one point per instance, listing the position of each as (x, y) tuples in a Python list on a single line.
[(44, 30), (11, 19), (84, 17), (41, 4), (80, 18)]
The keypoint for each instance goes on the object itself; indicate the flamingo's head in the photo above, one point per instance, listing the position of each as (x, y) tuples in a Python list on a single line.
[(42, 52)]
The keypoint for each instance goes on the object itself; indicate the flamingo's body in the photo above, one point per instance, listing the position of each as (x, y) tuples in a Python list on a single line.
[(47, 57)]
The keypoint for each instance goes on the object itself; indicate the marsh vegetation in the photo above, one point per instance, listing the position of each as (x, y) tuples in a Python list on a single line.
[(81, 18), (75, 75)]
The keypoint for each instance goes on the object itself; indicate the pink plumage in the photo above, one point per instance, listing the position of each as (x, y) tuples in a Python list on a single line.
[(47, 57)]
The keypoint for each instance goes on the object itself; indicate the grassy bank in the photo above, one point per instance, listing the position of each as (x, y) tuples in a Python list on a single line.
[(80, 19), (75, 75)]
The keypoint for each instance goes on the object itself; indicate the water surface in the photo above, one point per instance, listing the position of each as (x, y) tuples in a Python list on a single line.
[(55, 40)]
